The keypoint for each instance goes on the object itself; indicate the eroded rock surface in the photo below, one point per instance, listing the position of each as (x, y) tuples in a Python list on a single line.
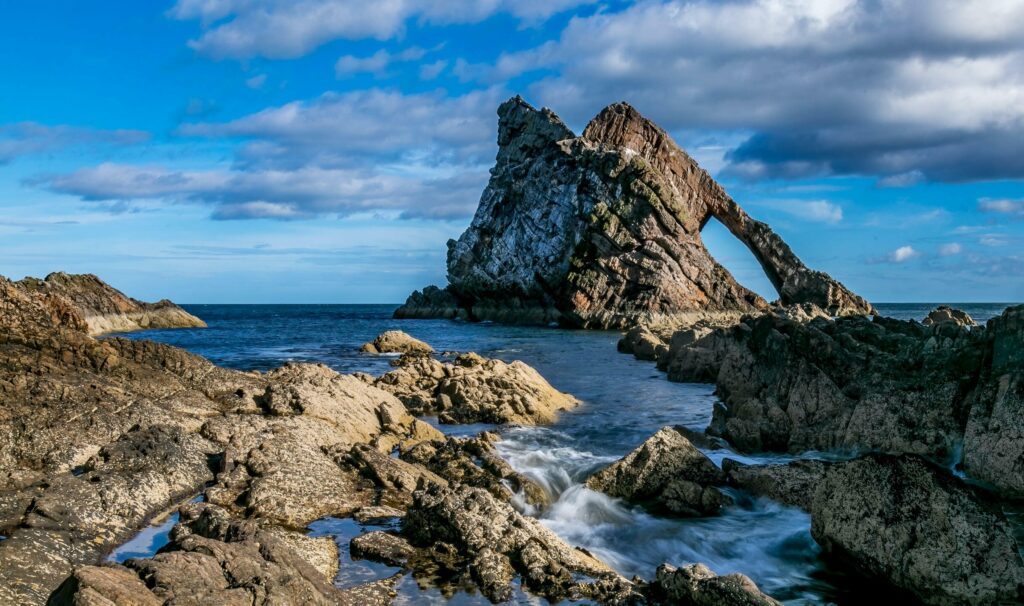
[(666, 473), (474, 389), (698, 585), (106, 309), (903, 520), (396, 341), (603, 230), (792, 483), (945, 313)]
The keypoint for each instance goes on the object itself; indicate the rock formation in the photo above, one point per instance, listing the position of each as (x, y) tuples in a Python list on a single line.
[(603, 230), (697, 585), (945, 313), (475, 390), (666, 473), (901, 519), (106, 309), (396, 341), (869, 384)]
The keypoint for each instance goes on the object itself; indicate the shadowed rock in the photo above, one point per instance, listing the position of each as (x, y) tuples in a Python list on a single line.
[(666, 473), (603, 230), (901, 519)]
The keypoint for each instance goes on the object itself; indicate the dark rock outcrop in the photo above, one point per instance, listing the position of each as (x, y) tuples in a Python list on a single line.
[(603, 230), (666, 473), (855, 384), (903, 520), (106, 309), (791, 484)]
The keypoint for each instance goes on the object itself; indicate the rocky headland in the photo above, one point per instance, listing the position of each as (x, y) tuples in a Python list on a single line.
[(107, 310), (602, 230)]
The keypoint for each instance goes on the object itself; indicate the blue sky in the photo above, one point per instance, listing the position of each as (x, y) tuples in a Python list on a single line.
[(325, 150)]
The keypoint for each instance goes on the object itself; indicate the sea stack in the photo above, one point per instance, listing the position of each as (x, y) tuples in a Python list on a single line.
[(603, 231)]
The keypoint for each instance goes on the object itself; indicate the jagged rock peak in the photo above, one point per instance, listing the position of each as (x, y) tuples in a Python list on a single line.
[(603, 230)]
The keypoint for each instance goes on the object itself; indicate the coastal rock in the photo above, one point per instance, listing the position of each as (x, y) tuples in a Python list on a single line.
[(106, 309), (476, 390), (472, 521), (666, 473), (852, 383), (643, 344), (396, 341), (431, 302), (382, 547), (103, 586), (791, 484), (918, 528), (603, 230), (696, 584), (994, 436), (945, 313)]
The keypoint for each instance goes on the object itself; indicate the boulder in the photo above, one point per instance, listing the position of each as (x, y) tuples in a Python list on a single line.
[(915, 526), (666, 473), (383, 547), (396, 341), (474, 389), (697, 585), (945, 313), (468, 528), (610, 224), (791, 484)]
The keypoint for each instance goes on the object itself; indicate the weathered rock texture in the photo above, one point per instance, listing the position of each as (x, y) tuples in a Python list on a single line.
[(603, 230), (665, 473), (901, 519), (106, 309), (396, 341), (697, 585), (945, 313), (475, 390), (857, 384)]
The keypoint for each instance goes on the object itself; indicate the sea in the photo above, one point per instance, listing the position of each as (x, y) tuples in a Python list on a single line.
[(624, 402)]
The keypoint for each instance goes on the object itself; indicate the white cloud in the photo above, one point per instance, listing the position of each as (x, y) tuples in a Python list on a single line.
[(279, 194), (430, 71), (282, 29), (903, 254), (948, 250), (376, 63), (1001, 205), (256, 81), (818, 211)]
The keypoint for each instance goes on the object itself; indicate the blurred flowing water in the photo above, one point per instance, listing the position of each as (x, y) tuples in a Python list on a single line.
[(624, 402)]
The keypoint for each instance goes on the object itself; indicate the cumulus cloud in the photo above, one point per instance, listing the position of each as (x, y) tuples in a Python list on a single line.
[(26, 138), (902, 254), (366, 126), (901, 90), (282, 29)]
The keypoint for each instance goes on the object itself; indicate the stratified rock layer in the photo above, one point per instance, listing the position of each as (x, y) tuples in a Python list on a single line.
[(603, 230), (106, 309)]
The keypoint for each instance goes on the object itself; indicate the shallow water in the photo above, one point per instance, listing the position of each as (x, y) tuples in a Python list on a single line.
[(624, 402)]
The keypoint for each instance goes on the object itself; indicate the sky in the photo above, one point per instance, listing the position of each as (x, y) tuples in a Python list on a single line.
[(324, 151)]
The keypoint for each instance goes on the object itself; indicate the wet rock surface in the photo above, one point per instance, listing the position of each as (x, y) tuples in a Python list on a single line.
[(696, 584), (666, 473), (611, 221), (901, 519), (792, 484), (474, 389)]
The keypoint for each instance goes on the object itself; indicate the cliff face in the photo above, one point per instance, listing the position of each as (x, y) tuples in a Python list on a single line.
[(603, 230), (105, 309)]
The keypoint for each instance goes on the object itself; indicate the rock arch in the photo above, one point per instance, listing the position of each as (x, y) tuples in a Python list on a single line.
[(603, 230)]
